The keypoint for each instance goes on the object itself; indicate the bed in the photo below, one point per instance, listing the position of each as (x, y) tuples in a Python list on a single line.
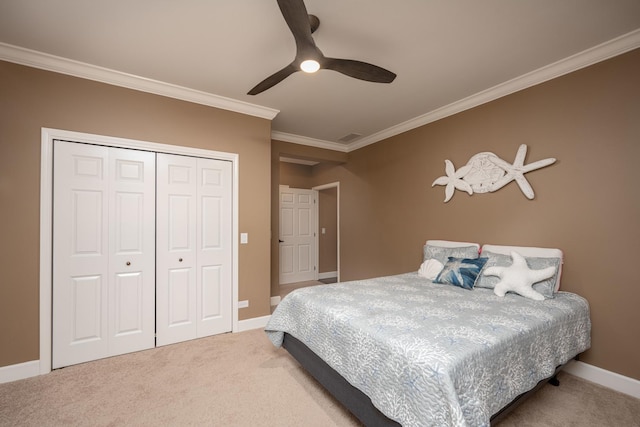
[(405, 349)]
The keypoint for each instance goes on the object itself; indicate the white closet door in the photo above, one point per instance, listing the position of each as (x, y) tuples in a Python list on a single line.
[(132, 239), (194, 235), (214, 290), (100, 308), (176, 249)]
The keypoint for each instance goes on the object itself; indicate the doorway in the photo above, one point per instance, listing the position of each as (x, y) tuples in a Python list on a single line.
[(328, 232), (295, 220)]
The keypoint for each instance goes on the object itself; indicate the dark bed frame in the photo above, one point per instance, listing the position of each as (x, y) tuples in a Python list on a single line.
[(359, 403)]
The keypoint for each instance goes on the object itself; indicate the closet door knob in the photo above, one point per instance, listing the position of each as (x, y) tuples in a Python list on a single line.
[(179, 259), (128, 262)]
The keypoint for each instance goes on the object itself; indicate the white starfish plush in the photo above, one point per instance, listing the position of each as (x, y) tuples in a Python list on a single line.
[(453, 180), (519, 278), (517, 170)]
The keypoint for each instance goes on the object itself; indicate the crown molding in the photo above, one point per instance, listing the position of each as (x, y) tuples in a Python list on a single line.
[(304, 140), (601, 52), (58, 64)]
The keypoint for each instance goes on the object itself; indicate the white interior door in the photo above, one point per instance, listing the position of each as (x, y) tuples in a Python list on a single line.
[(102, 288), (214, 240), (132, 242), (176, 249), (194, 248), (297, 235)]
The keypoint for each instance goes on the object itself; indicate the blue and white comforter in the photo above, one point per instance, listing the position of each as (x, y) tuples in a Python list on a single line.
[(430, 354)]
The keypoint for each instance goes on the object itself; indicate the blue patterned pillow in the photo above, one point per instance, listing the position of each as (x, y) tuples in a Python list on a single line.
[(461, 272)]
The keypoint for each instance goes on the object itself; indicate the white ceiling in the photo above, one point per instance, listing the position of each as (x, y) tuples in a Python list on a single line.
[(448, 55)]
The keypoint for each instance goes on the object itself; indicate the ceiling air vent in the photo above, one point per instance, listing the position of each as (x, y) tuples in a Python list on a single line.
[(350, 137)]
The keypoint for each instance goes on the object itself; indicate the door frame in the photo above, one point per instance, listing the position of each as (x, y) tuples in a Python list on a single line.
[(319, 188), (48, 135)]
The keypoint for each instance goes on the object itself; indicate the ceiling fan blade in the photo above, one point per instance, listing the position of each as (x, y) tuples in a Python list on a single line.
[(295, 14), (302, 26), (273, 79), (359, 70)]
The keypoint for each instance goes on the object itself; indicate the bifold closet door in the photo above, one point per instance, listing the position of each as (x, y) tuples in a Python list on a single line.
[(103, 252), (194, 253)]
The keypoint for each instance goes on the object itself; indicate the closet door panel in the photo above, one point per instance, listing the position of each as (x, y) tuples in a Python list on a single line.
[(180, 298), (87, 310), (80, 254), (214, 289), (176, 249), (131, 251), (129, 304), (104, 252), (211, 307)]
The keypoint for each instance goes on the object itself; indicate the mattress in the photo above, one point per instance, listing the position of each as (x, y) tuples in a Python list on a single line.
[(433, 354)]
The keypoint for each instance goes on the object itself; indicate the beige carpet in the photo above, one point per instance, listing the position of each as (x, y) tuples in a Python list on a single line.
[(242, 380)]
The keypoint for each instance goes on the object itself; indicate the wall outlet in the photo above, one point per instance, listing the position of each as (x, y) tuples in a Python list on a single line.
[(243, 304)]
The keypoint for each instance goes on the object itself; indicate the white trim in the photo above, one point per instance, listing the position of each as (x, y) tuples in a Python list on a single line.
[(335, 185), (34, 368), (327, 275), (601, 52), (316, 235), (298, 161), (19, 371), (568, 65), (46, 251), (275, 300), (604, 378), (45, 61), (313, 142), (599, 376), (253, 323), (46, 209)]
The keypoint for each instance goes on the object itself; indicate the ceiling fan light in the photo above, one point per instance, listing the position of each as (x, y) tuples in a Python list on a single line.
[(310, 66)]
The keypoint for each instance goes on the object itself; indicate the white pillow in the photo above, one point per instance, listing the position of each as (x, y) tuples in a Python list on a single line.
[(430, 269), (530, 251), (519, 278)]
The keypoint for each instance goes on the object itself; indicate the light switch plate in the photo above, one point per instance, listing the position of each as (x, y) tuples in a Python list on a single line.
[(244, 238)]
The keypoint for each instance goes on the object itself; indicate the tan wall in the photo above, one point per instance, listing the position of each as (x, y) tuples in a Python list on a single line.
[(31, 99), (296, 176), (587, 203)]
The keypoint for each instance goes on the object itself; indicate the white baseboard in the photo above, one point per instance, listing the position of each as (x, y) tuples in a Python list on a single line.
[(275, 300), (327, 275), (19, 371), (254, 323), (582, 370), (604, 378)]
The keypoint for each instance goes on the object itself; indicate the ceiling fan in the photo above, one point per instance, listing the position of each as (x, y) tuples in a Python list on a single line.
[(309, 58)]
